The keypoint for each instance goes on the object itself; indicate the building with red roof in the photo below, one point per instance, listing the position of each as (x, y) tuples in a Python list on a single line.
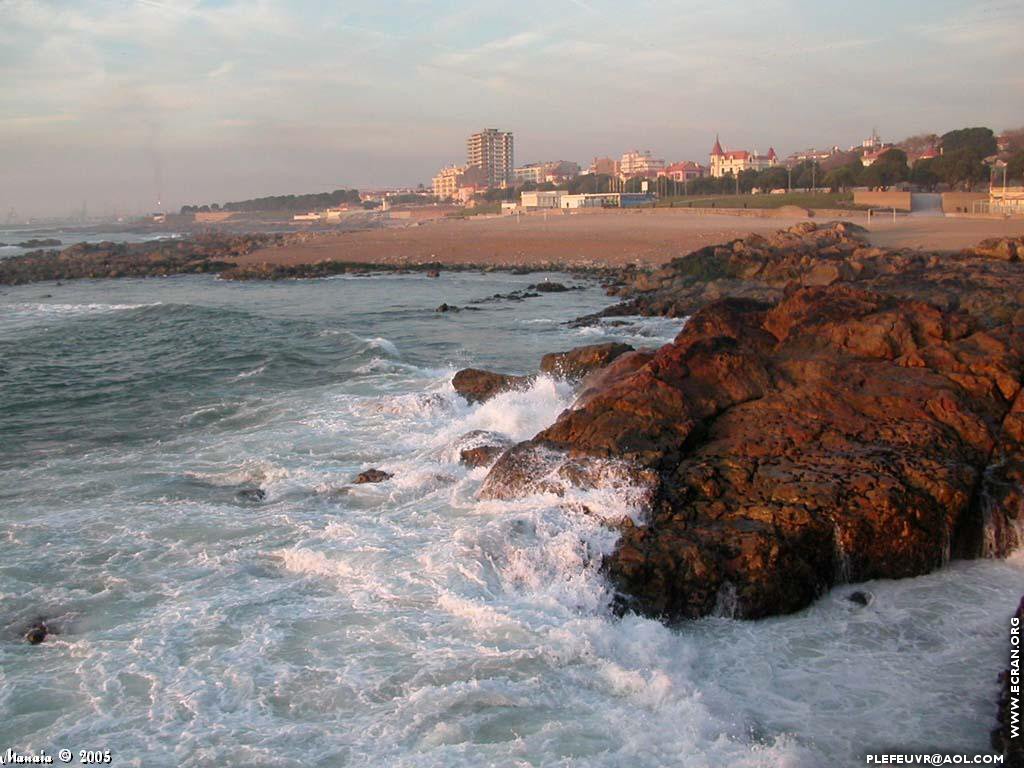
[(732, 163)]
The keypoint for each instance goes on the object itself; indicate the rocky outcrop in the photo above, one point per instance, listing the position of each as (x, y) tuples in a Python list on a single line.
[(1003, 740), (477, 385), (840, 435), (578, 362), (203, 254), (983, 281)]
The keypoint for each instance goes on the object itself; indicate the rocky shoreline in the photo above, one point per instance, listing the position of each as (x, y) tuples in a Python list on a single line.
[(218, 254), (831, 413)]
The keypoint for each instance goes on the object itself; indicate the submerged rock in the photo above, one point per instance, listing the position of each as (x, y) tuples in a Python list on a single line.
[(252, 495), (549, 287), (37, 633), (372, 476), (860, 598)]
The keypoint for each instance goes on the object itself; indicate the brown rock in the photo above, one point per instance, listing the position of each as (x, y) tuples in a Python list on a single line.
[(578, 362), (842, 435), (477, 385), (372, 476), (481, 456)]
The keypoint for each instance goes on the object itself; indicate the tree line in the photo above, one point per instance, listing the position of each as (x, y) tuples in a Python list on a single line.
[(306, 202)]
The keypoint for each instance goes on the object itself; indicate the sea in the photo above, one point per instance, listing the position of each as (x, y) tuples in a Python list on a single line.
[(176, 466), (12, 237)]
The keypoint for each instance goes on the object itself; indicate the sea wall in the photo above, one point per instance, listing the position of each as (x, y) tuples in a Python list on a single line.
[(893, 199)]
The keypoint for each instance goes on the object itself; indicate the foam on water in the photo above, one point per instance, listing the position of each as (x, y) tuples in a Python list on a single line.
[(410, 623)]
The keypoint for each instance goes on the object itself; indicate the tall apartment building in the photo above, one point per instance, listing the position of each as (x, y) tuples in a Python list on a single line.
[(491, 151)]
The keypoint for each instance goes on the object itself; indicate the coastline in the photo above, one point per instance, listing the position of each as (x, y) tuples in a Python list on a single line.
[(642, 237)]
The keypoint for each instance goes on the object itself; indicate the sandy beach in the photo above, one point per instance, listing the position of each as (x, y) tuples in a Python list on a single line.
[(651, 237)]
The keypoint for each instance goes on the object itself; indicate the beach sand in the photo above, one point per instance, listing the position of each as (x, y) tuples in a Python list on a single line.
[(601, 237)]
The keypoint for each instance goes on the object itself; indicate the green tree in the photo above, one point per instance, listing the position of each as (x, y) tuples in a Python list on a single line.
[(978, 142), (925, 174), (841, 179), (773, 178), (961, 168), (892, 167)]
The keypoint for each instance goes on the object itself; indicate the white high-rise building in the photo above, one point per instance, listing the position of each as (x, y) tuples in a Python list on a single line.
[(491, 151)]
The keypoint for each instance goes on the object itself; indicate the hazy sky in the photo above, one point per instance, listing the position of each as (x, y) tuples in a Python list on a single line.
[(112, 101)]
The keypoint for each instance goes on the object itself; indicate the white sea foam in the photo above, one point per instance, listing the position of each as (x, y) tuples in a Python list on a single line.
[(54, 310)]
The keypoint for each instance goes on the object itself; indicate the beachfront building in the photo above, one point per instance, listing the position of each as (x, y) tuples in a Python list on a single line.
[(636, 163), (607, 200), (685, 170), (551, 171), (452, 182), (542, 199), (490, 150), (447, 182), (736, 161), (605, 166)]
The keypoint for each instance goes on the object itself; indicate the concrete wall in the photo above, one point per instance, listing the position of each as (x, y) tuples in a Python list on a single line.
[(961, 202), (898, 200)]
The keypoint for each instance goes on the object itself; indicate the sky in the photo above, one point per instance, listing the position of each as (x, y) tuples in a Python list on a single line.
[(119, 104)]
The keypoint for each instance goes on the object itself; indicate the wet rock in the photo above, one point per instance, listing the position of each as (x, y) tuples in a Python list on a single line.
[(549, 287), (433, 273), (840, 435), (1002, 736), (372, 476), (578, 362), (477, 385), (481, 456), (860, 598), (447, 308), (37, 633), (251, 495)]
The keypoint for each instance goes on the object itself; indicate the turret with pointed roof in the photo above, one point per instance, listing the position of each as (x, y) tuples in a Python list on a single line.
[(716, 151)]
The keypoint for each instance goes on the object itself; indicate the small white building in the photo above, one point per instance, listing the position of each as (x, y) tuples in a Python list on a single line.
[(544, 199), (310, 216)]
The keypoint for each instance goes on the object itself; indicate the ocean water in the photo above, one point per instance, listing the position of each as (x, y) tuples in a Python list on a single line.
[(405, 623), (11, 236)]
